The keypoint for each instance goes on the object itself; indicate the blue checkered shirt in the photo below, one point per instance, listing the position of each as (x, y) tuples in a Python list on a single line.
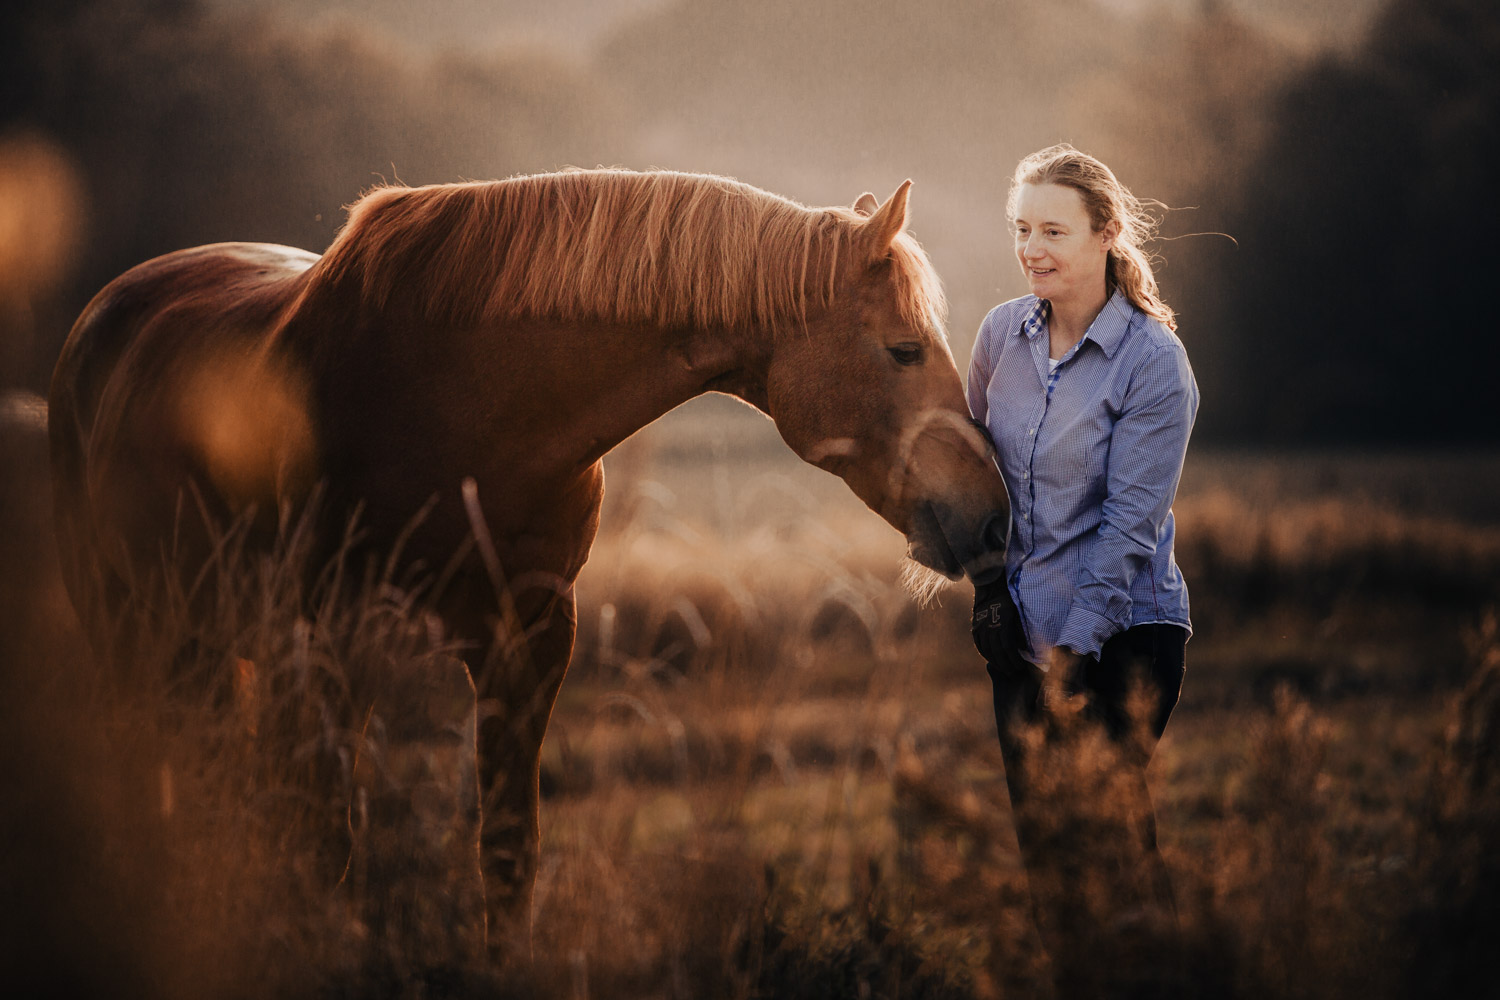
[(1092, 452)]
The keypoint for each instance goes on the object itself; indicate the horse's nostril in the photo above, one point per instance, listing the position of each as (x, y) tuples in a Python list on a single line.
[(996, 533)]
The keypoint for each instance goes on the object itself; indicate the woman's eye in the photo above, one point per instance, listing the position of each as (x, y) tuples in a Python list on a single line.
[(906, 354)]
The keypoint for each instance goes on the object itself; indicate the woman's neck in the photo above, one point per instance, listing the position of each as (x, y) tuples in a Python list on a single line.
[(1068, 320)]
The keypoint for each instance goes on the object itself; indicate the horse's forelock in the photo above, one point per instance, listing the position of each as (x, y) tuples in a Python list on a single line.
[(920, 295)]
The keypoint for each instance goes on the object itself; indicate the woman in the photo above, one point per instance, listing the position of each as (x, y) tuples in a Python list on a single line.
[(1089, 398)]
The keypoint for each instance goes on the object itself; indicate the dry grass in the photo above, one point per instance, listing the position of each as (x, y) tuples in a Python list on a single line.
[(769, 775)]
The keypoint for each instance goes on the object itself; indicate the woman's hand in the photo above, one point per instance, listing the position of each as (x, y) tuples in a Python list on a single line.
[(1070, 670), (996, 625)]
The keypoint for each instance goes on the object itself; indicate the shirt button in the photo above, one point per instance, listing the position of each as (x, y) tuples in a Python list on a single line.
[(1025, 475), (1031, 432)]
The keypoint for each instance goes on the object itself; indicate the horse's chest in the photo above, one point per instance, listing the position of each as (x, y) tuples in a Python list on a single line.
[(548, 530), (563, 531)]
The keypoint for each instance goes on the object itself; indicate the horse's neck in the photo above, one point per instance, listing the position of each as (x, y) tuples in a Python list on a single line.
[(617, 379), (552, 395)]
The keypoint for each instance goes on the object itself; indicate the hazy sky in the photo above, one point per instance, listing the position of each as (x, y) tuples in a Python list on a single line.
[(577, 24), (564, 24)]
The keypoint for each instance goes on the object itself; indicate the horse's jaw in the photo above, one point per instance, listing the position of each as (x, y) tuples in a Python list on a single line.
[(744, 385), (928, 543)]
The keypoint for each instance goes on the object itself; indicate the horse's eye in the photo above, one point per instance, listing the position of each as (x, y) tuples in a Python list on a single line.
[(906, 354)]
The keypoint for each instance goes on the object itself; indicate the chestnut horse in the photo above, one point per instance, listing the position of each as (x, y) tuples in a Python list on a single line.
[(473, 350)]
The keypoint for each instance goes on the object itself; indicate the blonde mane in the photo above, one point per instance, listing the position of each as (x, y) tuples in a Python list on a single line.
[(668, 248)]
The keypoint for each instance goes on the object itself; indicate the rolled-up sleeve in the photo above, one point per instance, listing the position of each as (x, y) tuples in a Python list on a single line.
[(1146, 451)]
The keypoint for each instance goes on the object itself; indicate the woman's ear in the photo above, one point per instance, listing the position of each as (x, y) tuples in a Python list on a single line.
[(1111, 232)]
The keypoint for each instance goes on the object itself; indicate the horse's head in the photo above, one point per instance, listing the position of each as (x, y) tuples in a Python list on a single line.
[(870, 392)]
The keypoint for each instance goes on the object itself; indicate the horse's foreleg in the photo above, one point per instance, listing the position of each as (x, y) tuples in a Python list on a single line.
[(415, 816), (517, 690)]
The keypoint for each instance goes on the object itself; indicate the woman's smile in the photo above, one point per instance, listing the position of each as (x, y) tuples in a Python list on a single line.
[(1062, 256)]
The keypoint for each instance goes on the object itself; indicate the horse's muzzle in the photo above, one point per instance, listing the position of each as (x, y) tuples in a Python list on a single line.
[(988, 565), (945, 541), (977, 550)]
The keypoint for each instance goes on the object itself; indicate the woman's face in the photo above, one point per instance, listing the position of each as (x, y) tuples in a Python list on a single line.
[(1060, 254)]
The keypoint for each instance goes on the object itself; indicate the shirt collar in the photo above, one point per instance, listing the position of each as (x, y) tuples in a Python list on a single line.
[(1109, 327), (1035, 320), (1107, 330)]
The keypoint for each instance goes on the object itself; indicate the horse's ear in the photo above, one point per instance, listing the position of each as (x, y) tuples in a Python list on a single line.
[(887, 222), (866, 204)]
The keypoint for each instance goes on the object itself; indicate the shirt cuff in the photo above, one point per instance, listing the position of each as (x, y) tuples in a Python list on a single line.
[(1085, 631)]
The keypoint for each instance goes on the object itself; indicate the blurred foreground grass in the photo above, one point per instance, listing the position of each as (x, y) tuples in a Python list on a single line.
[(769, 774)]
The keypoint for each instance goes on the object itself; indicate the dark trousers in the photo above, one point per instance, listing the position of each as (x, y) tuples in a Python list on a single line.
[(1076, 750)]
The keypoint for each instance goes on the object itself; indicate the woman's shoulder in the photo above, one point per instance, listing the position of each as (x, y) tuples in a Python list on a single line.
[(1157, 356), (1006, 316), (1151, 334)]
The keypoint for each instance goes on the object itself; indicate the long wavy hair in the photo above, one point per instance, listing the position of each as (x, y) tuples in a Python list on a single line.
[(1106, 200)]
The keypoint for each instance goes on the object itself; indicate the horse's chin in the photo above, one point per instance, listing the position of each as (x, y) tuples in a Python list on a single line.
[(930, 562), (924, 582)]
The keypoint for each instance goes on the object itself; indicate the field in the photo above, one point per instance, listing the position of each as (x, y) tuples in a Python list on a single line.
[(771, 774)]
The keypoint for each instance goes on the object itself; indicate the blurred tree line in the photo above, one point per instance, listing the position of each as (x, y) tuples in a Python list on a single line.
[(1357, 306), (1355, 183), (188, 126)]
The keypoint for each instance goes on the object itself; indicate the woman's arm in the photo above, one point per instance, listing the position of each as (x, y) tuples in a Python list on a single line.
[(1146, 451), (981, 367)]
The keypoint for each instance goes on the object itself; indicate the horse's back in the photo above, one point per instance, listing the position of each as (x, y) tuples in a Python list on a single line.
[(128, 435)]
